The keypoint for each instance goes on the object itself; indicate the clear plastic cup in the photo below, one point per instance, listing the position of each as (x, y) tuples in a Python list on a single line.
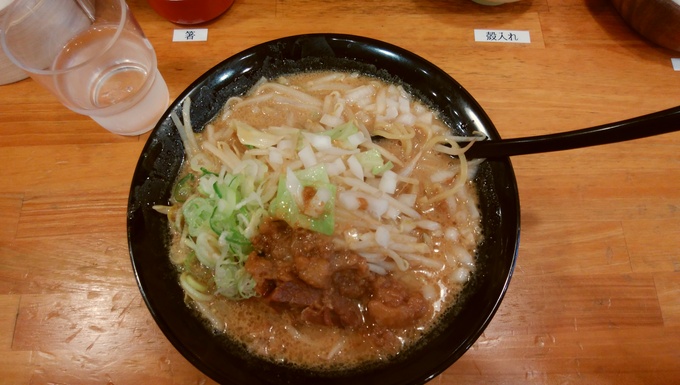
[(9, 73), (91, 54)]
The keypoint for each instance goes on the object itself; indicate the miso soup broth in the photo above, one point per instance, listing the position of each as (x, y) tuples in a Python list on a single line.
[(324, 220)]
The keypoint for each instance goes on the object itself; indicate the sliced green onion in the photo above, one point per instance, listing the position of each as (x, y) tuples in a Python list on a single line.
[(207, 172), (183, 188), (197, 212)]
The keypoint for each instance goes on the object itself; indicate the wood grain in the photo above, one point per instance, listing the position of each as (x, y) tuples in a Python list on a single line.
[(595, 298)]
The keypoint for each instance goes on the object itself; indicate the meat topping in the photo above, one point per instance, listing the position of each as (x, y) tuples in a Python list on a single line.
[(301, 272)]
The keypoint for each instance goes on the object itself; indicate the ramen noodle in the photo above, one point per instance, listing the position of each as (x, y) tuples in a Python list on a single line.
[(324, 219)]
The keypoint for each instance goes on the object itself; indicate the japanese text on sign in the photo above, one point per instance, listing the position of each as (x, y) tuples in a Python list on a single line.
[(502, 36), (190, 35)]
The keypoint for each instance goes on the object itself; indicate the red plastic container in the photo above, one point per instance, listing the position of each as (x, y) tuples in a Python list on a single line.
[(190, 11)]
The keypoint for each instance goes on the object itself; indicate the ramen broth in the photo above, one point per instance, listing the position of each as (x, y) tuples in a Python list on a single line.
[(409, 224)]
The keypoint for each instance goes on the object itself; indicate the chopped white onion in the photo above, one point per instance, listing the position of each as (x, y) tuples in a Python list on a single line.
[(460, 275), (391, 113), (462, 255), (349, 200), (323, 195), (452, 203), (356, 139), (425, 118), (318, 141), (382, 236), (355, 167), (275, 156), (361, 92), (392, 213), (420, 109), (317, 204), (406, 119), (452, 234), (377, 207), (331, 120), (286, 144), (294, 186), (380, 102), (388, 182), (307, 157), (392, 100), (408, 199), (429, 292), (336, 167), (404, 105)]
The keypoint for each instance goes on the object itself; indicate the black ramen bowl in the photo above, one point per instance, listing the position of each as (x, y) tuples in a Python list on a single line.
[(162, 158)]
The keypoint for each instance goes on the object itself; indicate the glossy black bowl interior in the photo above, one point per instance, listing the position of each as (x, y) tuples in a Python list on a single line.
[(163, 156)]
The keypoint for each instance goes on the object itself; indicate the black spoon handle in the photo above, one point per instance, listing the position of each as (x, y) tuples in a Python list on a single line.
[(657, 123)]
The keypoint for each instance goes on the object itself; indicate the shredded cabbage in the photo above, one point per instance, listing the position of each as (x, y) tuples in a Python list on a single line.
[(372, 162), (251, 136), (289, 203)]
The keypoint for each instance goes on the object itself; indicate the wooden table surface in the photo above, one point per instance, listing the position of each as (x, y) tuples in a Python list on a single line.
[(595, 298)]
